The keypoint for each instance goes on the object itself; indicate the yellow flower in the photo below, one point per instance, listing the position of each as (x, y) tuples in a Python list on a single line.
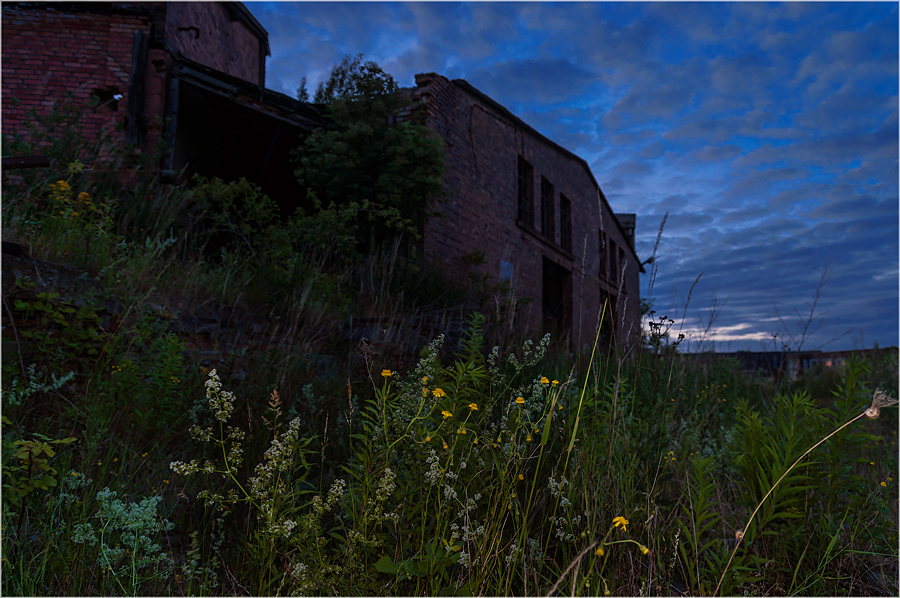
[(387, 373), (428, 439), (528, 438), (644, 549), (461, 430), (84, 196), (521, 477), (621, 522), (599, 551), (439, 393), (555, 383), (446, 414), (445, 446), (425, 379), (884, 484), (473, 406), (545, 380), (520, 400), (475, 441)]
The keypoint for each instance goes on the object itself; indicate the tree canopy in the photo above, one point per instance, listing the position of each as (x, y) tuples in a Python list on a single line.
[(372, 156)]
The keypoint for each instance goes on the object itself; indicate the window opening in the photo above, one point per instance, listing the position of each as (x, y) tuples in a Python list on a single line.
[(565, 222), (547, 209), (526, 193)]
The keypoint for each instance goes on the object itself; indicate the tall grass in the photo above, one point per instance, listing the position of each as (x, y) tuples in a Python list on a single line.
[(220, 418)]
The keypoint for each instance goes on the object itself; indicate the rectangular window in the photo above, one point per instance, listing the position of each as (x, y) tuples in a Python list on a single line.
[(613, 271), (565, 222), (602, 253), (547, 209), (526, 193)]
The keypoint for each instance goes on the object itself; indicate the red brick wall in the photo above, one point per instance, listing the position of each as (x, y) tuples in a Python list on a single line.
[(223, 44), (482, 147), (47, 54)]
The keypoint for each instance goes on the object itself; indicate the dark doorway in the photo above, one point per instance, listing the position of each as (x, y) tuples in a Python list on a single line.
[(608, 324), (557, 297)]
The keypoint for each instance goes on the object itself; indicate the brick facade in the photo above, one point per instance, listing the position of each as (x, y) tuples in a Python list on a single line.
[(488, 150), (48, 54), (88, 49)]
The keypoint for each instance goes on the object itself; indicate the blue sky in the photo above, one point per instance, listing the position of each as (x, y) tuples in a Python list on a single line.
[(768, 132)]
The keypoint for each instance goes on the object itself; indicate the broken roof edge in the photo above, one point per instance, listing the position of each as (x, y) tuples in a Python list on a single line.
[(308, 115), (506, 113)]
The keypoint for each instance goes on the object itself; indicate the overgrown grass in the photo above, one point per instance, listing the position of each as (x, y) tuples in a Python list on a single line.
[(215, 414)]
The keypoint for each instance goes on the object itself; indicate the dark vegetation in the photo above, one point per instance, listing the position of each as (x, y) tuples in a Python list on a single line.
[(204, 395)]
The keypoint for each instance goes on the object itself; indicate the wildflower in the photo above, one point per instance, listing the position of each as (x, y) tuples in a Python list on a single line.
[(387, 373), (445, 445), (475, 441), (521, 477), (528, 438), (621, 522), (144, 455), (428, 439), (555, 382), (545, 380), (644, 549), (473, 406), (425, 379), (446, 414), (165, 481), (439, 393), (461, 430), (883, 485), (599, 552), (520, 400)]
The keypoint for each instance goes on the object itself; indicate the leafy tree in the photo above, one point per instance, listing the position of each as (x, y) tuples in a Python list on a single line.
[(371, 157)]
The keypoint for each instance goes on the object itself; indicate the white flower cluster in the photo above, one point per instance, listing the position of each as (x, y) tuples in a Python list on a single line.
[(221, 402), (434, 472), (557, 487)]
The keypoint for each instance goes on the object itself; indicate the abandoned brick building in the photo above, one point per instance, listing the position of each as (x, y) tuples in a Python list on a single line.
[(536, 212), (193, 75)]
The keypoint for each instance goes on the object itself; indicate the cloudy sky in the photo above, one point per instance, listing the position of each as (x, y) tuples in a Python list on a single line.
[(767, 132)]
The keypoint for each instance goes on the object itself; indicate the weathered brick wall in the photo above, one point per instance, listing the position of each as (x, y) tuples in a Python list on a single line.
[(482, 147), (48, 54), (204, 32)]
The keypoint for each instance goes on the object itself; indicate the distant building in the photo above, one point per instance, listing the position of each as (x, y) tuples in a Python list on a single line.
[(792, 365), (536, 212)]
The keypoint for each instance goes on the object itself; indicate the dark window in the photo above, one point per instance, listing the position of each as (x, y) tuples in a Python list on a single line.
[(547, 209), (602, 254), (565, 223), (526, 193), (557, 297), (613, 271)]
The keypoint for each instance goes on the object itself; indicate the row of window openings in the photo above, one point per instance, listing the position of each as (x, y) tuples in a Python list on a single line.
[(526, 217), (548, 206)]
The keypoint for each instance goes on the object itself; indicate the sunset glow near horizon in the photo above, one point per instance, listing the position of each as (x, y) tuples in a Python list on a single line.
[(767, 132)]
